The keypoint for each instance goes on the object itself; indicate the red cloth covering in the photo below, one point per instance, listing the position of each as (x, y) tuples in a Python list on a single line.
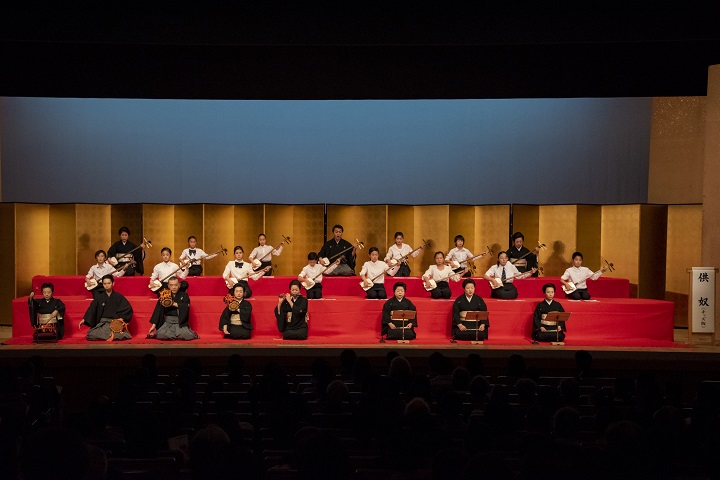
[(353, 320), (332, 286)]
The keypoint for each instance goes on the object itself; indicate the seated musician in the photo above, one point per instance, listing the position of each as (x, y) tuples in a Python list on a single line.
[(506, 272), (546, 330), (99, 270), (527, 259), (238, 271), (397, 251), (264, 254), (460, 254), (398, 302), (469, 302), (440, 273), (124, 245), (166, 269), (314, 271), (578, 275), (105, 308), (291, 314), (333, 247), (235, 319), (374, 271), (171, 322), (48, 312), (195, 257)]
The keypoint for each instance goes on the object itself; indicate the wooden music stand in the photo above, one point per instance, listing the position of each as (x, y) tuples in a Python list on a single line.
[(557, 317), (476, 317), (402, 316)]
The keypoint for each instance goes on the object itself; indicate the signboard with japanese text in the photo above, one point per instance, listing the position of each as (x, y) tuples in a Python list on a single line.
[(702, 299)]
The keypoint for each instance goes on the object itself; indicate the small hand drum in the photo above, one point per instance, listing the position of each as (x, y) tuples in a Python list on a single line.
[(118, 326), (165, 298), (231, 302)]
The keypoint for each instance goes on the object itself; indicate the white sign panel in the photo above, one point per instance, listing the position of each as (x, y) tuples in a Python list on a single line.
[(702, 299)]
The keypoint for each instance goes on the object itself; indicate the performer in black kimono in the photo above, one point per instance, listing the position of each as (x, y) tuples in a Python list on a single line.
[(546, 330), (469, 302), (236, 323), (171, 323), (517, 250), (105, 308), (291, 314), (398, 302), (49, 310), (125, 246), (333, 247)]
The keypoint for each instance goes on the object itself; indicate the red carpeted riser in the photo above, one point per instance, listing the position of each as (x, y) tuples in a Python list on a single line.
[(348, 320), (332, 286)]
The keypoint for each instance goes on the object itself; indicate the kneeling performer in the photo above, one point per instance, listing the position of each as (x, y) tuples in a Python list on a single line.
[(469, 302), (235, 319), (170, 317), (545, 330), (108, 314), (291, 314)]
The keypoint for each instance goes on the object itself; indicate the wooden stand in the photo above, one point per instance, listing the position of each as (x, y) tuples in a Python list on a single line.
[(402, 316), (477, 317), (557, 317)]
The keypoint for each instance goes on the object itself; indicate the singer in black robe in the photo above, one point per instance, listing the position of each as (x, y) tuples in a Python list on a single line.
[(172, 322), (44, 306), (395, 303), (550, 335), (475, 304), (237, 323)]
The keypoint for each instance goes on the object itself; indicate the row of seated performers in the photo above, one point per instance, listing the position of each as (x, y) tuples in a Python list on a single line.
[(129, 257), (108, 314), (373, 272)]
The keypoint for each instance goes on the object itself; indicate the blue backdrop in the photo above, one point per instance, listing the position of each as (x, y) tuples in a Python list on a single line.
[(544, 151)]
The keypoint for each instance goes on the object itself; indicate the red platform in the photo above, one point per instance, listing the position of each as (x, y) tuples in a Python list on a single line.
[(353, 320), (332, 286)]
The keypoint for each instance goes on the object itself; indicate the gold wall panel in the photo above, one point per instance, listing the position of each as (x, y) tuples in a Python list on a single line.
[(432, 222), (684, 244), (367, 223), (653, 245), (401, 218), (188, 220), (128, 215), (279, 220), (249, 222), (621, 240), (492, 223), (219, 228), (63, 251), (158, 226), (32, 244), (558, 231), (273, 229), (93, 232), (7, 275), (304, 225), (526, 219), (461, 222), (589, 235)]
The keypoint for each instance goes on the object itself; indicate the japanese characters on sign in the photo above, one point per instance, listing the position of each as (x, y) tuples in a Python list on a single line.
[(702, 300)]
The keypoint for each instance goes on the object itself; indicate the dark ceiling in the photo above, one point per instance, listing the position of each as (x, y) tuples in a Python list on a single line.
[(306, 50)]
